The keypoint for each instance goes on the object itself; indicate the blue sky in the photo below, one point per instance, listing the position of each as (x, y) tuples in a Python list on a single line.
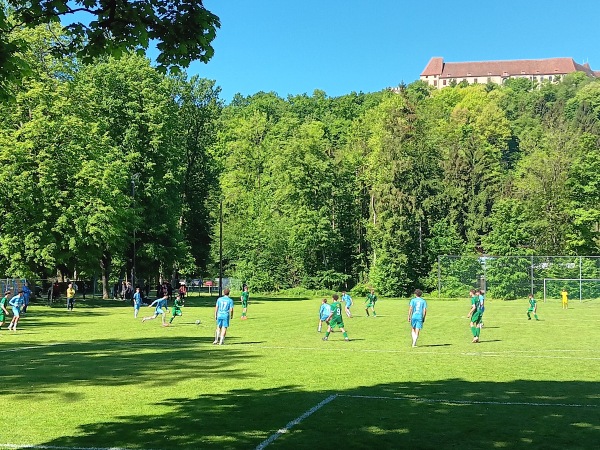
[(340, 46)]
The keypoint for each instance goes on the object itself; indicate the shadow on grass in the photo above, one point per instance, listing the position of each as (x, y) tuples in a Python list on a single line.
[(101, 362), (452, 413)]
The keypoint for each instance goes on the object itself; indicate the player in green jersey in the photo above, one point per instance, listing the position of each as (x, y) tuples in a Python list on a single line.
[(532, 308), (335, 318), (244, 298), (370, 302), (3, 310), (475, 316), (176, 308)]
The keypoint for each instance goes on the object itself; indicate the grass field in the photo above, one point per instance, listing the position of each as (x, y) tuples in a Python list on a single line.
[(95, 378)]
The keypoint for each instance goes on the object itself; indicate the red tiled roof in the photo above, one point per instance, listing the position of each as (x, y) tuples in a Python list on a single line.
[(549, 66), (434, 67)]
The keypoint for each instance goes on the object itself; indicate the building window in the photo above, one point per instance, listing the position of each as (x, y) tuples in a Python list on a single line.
[(550, 77), (444, 82), (435, 83), (489, 79), (475, 80)]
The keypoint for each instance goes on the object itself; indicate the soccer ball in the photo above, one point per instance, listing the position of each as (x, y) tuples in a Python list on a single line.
[(198, 322)]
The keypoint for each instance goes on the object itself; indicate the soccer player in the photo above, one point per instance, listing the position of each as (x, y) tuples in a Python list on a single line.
[(565, 299), (481, 297), (244, 298), (137, 302), (26, 296), (532, 308), (370, 302), (160, 305), (348, 301), (70, 297), (176, 308), (17, 303), (223, 313), (324, 313), (335, 318), (475, 316), (3, 310), (417, 310)]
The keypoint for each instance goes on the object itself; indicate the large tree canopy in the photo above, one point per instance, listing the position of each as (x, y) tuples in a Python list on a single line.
[(183, 30)]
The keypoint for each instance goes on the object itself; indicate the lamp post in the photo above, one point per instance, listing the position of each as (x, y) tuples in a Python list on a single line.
[(221, 248), (135, 177)]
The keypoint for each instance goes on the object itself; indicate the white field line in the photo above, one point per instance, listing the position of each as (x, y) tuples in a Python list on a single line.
[(55, 447), (294, 422), (469, 402)]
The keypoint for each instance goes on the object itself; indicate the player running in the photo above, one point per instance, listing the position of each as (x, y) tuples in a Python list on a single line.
[(160, 305), (176, 308), (16, 303), (335, 318)]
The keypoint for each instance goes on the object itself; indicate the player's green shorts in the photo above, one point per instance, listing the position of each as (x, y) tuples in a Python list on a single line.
[(476, 317), (531, 309), (175, 311), (336, 323), (370, 305), (244, 303), (2, 317)]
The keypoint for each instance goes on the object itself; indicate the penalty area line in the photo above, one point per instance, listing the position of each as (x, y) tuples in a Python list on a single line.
[(295, 422)]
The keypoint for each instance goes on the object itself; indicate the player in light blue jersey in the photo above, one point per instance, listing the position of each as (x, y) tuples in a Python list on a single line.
[(16, 303), (137, 302), (324, 313), (348, 301), (223, 313), (160, 305), (417, 310)]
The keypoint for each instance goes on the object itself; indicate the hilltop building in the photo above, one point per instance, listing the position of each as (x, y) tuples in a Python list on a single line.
[(439, 74)]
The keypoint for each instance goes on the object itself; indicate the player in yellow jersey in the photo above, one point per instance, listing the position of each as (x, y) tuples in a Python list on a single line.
[(565, 299)]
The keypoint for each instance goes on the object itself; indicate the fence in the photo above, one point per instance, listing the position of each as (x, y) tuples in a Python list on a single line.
[(511, 277)]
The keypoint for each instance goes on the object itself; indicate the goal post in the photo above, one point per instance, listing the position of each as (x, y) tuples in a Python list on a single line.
[(586, 288)]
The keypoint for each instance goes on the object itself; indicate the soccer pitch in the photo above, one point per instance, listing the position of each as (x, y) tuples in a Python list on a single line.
[(95, 378)]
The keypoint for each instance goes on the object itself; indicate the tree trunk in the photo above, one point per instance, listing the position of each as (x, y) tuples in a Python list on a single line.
[(105, 271)]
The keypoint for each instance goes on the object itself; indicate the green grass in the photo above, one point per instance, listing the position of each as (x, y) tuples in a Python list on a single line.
[(97, 378)]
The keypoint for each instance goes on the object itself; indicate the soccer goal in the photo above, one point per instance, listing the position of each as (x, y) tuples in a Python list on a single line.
[(577, 288)]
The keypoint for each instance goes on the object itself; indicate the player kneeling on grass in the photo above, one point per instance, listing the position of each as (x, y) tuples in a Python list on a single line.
[(160, 305), (223, 313), (335, 318), (532, 308), (176, 308), (417, 310)]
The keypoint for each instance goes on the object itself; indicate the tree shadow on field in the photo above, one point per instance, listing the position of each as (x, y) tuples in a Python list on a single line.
[(52, 367), (452, 413)]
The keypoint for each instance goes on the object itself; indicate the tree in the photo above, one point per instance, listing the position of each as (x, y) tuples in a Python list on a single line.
[(182, 29)]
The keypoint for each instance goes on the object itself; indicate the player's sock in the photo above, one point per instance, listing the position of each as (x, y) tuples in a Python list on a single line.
[(528, 316), (367, 312), (536, 317), (327, 334), (374, 314), (477, 332), (345, 335), (473, 331)]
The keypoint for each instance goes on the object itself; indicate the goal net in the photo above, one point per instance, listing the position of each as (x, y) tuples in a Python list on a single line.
[(577, 288)]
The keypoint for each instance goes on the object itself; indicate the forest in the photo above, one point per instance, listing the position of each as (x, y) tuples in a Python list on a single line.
[(112, 168)]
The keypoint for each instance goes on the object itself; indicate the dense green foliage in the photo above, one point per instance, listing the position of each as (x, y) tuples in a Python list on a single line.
[(182, 30), (371, 188), (318, 192)]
